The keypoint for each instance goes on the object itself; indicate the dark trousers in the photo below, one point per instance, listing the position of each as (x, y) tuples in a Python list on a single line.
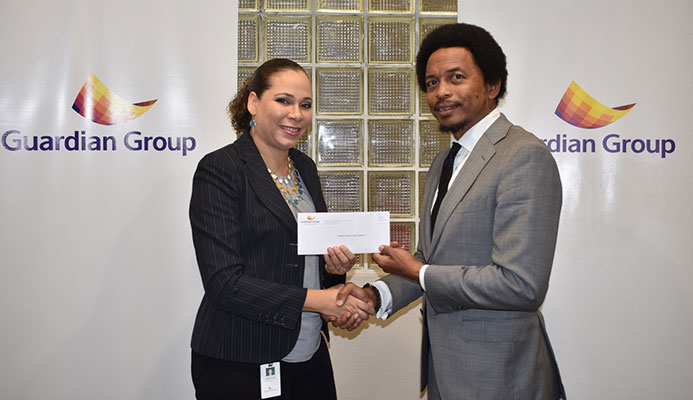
[(216, 379)]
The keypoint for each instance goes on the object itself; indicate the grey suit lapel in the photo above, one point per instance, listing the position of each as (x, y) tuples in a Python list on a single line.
[(476, 161), (432, 179)]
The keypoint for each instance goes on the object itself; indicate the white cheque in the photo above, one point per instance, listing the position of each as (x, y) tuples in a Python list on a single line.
[(361, 232)]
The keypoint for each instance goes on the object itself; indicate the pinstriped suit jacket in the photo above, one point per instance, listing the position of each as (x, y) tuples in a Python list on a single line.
[(245, 241), (490, 257)]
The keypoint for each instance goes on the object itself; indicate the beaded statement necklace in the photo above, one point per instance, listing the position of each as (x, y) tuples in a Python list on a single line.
[(289, 185)]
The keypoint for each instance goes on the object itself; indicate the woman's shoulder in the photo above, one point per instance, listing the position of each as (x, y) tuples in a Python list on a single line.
[(227, 154), (224, 163)]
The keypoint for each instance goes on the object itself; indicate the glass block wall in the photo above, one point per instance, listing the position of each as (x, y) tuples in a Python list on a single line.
[(372, 137)]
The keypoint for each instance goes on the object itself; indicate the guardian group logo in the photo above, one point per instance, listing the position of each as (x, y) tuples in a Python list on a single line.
[(581, 110), (96, 102), (99, 104)]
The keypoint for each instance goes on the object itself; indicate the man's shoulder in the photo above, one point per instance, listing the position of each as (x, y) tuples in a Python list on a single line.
[(520, 143), (504, 131), (517, 132), (517, 136)]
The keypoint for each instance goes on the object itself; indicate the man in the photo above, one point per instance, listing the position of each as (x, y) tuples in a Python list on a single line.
[(486, 246)]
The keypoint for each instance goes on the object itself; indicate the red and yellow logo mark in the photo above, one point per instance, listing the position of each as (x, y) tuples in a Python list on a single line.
[(580, 109), (99, 104)]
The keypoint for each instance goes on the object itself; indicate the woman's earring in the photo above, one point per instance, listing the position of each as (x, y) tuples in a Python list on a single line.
[(252, 123)]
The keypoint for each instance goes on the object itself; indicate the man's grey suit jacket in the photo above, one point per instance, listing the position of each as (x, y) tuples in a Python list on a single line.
[(490, 258)]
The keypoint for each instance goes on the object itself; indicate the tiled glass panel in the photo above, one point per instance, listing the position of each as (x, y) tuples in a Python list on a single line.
[(248, 38), (287, 5), (339, 90), (439, 6), (391, 143), (426, 25), (304, 142), (339, 142), (422, 182), (359, 262), (423, 103), (431, 141), (401, 6), (342, 190), (288, 38), (403, 232), (340, 5), (391, 191), (339, 39), (243, 73), (391, 40), (248, 5), (390, 91), (390, 30)]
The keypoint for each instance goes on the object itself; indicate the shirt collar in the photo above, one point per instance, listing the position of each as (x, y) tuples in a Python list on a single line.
[(472, 136)]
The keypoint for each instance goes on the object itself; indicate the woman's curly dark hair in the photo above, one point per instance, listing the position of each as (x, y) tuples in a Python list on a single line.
[(258, 82), (487, 53)]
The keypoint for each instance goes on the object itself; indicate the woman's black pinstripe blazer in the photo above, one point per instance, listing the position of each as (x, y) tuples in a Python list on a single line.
[(245, 242)]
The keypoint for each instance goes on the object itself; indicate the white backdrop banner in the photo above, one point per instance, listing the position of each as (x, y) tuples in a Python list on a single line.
[(105, 109), (619, 306)]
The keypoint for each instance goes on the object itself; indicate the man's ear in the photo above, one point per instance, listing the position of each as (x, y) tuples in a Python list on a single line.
[(492, 89)]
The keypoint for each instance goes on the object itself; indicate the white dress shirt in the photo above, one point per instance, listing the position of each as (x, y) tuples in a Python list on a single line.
[(468, 140)]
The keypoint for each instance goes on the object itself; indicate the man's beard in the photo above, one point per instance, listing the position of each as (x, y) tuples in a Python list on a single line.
[(454, 127)]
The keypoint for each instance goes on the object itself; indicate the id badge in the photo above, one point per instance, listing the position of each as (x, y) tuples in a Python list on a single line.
[(270, 380)]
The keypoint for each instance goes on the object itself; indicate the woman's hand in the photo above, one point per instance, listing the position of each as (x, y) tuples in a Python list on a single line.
[(325, 302), (339, 260)]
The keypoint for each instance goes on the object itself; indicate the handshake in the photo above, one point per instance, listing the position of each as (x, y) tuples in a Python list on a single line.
[(351, 305), (346, 306)]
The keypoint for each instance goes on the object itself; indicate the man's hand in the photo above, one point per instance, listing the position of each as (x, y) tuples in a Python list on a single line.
[(397, 260), (346, 293), (325, 302)]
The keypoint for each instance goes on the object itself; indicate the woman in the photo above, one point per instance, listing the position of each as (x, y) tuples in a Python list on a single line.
[(263, 301)]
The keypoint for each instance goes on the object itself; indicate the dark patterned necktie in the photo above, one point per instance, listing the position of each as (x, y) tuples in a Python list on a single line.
[(445, 176)]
